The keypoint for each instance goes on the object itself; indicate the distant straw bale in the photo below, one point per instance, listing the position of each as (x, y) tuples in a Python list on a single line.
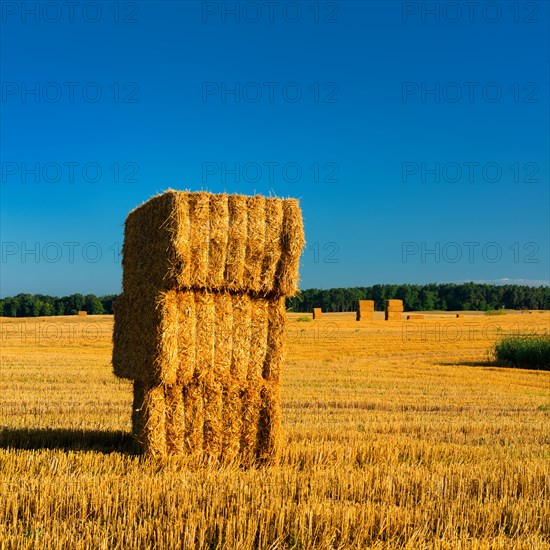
[(317, 313), (365, 310), (394, 308)]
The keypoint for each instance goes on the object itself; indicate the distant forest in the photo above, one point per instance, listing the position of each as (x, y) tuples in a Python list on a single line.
[(445, 297)]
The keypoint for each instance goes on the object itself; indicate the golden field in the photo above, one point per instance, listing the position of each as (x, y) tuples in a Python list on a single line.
[(398, 434)]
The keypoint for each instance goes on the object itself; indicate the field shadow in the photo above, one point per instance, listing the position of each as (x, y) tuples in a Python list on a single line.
[(473, 364), (68, 440)]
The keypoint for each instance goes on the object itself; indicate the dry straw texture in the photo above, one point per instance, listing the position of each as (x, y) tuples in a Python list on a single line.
[(365, 310), (317, 313), (221, 242), (200, 326), (213, 353), (394, 308), (393, 316)]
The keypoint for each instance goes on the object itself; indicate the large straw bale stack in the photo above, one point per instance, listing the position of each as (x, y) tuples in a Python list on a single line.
[(365, 310), (199, 327), (317, 313), (394, 309)]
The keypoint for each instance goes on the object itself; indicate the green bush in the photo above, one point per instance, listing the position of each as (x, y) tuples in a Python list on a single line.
[(495, 312), (524, 352), (304, 319)]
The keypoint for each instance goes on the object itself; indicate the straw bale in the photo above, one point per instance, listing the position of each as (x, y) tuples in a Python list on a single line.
[(393, 316), (219, 224), (415, 316), (275, 340), (232, 420), (228, 390), (292, 243), (82, 313), (186, 334), (175, 420), (182, 240), (251, 399), (255, 243), (193, 406), (242, 319), (365, 310), (144, 342), (213, 417), (250, 413), (205, 335), (236, 246), (317, 313), (154, 429), (269, 425), (200, 324), (272, 245), (199, 219), (394, 302), (148, 252)]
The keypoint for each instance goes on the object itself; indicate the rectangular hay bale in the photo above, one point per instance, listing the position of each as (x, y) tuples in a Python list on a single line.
[(365, 310), (183, 240)]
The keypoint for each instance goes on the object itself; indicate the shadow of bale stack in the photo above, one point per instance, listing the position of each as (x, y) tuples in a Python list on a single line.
[(394, 310), (365, 310), (199, 326)]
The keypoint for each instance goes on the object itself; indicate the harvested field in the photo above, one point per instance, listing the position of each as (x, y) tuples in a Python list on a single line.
[(393, 432)]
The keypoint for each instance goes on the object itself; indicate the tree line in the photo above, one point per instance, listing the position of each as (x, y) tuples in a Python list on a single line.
[(444, 297), (41, 305)]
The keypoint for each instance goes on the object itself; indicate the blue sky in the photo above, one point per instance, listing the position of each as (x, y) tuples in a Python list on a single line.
[(417, 142)]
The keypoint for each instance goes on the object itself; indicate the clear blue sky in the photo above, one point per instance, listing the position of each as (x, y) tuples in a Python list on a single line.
[(392, 97)]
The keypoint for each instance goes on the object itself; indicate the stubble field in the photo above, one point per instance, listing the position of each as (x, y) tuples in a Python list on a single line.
[(397, 435)]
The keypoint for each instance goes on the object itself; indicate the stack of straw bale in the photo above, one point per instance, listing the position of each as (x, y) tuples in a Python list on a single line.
[(317, 313), (365, 310), (199, 326), (394, 309)]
